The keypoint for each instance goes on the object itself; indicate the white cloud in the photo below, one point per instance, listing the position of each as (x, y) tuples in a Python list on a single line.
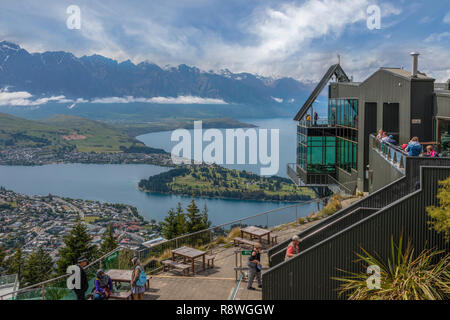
[(279, 100), (437, 37), (161, 100), (23, 98), (447, 18)]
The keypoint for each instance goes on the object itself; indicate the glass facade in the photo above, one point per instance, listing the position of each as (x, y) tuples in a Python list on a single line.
[(323, 147), (344, 113), (316, 151)]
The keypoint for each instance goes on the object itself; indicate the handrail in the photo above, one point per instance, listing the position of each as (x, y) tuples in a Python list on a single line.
[(391, 153), (43, 283), (343, 185), (240, 220), (365, 202), (306, 254)]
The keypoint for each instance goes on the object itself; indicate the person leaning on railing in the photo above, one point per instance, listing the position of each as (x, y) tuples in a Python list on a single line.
[(293, 248), (414, 148)]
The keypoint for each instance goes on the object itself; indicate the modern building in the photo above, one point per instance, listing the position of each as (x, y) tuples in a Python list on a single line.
[(343, 150), (335, 151)]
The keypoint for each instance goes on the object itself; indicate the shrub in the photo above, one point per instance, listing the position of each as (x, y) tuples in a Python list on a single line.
[(403, 277), (441, 215), (220, 240), (235, 232)]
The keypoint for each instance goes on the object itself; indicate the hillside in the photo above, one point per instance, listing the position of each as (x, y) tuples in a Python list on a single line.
[(63, 133), (218, 182)]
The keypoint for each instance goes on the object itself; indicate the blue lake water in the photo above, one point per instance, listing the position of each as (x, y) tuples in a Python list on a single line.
[(118, 183)]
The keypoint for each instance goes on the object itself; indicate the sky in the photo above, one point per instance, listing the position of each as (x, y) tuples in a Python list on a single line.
[(274, 38)]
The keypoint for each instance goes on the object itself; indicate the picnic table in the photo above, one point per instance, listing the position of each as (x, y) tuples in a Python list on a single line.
[(191, 254), (118, 276), (256, 232)]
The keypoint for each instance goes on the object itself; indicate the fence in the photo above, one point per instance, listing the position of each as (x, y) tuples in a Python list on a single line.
[(56, 288), (152, 255), (310, 274)]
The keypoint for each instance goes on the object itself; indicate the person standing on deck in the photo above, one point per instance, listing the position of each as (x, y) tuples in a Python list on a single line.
[(293, 248), (84, 284), (255, 266), (137, 290)]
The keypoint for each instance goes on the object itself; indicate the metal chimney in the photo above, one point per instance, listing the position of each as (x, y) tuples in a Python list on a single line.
[(415, 64)]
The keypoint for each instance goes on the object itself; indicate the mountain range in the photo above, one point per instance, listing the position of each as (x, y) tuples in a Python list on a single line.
[(88, 77)]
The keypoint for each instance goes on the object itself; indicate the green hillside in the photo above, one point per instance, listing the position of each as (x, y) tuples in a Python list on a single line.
[(218, 182), (63, 133)]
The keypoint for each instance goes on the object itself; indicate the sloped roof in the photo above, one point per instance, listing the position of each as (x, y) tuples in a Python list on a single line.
[(406, 74), (335, 70)]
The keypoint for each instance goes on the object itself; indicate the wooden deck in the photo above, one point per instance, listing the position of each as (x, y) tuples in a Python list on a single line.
[(216, 283)]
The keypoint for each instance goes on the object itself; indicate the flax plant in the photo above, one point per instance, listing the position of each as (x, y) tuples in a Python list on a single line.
[(405, 276)]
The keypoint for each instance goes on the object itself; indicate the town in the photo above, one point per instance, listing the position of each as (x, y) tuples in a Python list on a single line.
[(44, 221), (39, 156)]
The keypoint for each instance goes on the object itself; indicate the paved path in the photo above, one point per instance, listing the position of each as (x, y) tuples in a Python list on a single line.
[(218, 283)]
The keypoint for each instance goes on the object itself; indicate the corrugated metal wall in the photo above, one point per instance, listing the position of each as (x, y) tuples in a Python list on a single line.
[(308, 276)]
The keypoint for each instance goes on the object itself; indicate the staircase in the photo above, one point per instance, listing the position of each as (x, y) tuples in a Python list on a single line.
[(332, 243)]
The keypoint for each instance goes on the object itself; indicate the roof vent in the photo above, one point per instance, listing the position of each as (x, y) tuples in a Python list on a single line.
[(415, 64)]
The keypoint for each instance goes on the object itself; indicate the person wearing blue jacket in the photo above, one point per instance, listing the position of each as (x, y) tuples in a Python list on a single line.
[(414, 147)]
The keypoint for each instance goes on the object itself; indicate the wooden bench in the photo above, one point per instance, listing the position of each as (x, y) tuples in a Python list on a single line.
[(210, 259), (167, 264), (121, 295), (239, 240)]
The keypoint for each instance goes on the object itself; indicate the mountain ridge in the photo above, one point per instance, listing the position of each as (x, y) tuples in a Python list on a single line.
[(96, 76)]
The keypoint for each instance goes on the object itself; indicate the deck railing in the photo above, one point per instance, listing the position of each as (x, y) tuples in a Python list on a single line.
[(393, 154), (152, 255), (310, 274), (56, 288)]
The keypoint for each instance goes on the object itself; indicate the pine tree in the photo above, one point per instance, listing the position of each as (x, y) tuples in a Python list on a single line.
[(169, 227), (205, 220), (180, 221), (194, 218), (77, 245), (15, 264), (109, 241), (38, 267)]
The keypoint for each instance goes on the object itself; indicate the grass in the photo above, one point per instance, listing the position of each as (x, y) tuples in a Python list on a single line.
[(49, 134), (136, 129)]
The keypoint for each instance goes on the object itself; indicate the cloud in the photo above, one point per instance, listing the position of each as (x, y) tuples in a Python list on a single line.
[(277, 38), (447, 18), (160, 100), (437, 37), (23, 98), (279, 100)]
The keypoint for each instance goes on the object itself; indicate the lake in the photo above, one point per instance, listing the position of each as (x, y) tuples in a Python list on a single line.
[(118, 183)]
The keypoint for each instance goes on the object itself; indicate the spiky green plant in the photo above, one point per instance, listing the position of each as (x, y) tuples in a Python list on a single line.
[(405, 276)]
